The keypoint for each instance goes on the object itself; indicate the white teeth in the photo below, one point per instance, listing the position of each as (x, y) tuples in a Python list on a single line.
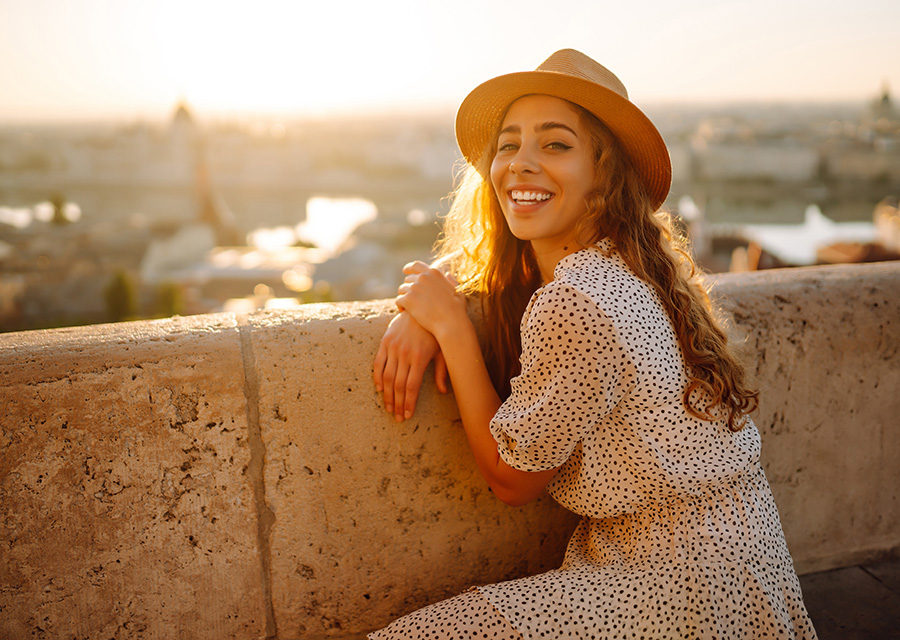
[(529, 196)]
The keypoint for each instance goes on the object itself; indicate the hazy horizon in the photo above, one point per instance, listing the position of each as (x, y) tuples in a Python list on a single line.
[(129, 59), (376, 112)]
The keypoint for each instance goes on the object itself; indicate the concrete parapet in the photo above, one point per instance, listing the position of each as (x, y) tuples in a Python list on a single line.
[(125, 510), (236, 477), (824, 343)]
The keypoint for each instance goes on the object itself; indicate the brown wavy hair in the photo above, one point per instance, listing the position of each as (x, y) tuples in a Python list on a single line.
[(491, 263)]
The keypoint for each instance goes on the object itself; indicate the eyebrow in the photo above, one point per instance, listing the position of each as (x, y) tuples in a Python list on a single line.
[(545, 126)]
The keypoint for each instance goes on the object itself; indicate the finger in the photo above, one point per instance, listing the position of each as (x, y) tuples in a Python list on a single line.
[(390, 371), (415, 267), (440, 373), (403, 300), (400, 391), (413, 385), (378, 367)]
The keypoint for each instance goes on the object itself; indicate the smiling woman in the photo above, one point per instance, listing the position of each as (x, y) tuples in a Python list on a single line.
[(618, 394), (542, 172)]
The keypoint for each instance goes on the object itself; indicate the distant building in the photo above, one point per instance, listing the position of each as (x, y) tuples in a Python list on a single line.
[(213, 212), (727, 149), (887, 224), (882, 112)]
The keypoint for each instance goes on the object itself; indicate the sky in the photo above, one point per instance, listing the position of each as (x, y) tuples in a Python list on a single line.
[(98, 58)]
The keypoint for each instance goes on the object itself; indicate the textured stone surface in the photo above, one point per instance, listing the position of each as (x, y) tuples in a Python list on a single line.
[(124, 511), (373, 518), (135, 500), (825, 343)]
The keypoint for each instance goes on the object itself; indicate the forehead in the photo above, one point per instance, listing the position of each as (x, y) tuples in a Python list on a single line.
[(541, 108)]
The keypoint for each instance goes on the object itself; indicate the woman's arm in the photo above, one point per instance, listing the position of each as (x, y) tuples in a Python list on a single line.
[(403, 355), (435, 304)]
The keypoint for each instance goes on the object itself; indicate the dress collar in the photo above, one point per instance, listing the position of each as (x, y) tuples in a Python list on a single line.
[(604, 246)]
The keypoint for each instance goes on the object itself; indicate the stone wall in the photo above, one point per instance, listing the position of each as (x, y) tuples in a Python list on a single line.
[(236, 477)]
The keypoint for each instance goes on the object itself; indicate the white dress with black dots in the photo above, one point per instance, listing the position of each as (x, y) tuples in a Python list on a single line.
[(680, 536)]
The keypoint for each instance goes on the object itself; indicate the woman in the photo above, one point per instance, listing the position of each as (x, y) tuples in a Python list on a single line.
[(619, 396)]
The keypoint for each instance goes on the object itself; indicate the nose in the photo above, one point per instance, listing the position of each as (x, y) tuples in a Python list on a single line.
[(523, 162)]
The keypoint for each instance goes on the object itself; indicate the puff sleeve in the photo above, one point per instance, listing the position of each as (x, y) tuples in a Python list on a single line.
[(574, 372)]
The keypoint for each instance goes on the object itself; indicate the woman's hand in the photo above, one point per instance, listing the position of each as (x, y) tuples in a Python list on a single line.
[(432, 299), (405, 351), (433, 320)]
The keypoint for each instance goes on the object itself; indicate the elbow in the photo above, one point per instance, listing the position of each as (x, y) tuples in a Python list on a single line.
[(515, 487), (513, 497), (517, 501)]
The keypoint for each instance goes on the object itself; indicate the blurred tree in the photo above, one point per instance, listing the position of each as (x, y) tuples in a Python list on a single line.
[(59, 205), (120, 297), (169, 300)]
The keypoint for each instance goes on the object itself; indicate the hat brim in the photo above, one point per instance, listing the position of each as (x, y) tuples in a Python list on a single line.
[(479, 117)]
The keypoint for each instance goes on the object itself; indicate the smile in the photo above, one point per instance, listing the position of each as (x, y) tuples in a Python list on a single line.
[(529, 197)]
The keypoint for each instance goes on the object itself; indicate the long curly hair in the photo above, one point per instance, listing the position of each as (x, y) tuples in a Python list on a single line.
[(491, 263)]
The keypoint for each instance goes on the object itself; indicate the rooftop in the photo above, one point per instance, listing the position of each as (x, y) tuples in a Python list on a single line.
[(861, 602)]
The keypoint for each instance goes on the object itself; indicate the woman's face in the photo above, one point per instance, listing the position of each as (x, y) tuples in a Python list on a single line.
[(543, 170)]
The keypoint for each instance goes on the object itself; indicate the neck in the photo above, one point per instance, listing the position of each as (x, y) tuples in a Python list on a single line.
[(548, 256)]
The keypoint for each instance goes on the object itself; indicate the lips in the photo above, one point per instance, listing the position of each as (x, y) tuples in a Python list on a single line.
[(525, 197)]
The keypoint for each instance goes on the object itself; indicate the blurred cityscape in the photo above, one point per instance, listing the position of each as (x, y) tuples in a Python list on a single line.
[(114, 221)]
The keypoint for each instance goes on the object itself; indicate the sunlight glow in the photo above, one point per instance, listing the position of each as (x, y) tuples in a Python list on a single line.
[(330, 221), (304, 57), (284, 56), (272, 239)]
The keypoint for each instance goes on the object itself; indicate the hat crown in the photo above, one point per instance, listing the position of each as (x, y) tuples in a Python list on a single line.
[(574, 63)]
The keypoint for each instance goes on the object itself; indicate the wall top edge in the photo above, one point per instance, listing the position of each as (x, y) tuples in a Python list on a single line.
[(144, 331)]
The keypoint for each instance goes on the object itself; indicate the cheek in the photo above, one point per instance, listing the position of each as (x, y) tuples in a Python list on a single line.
[(584, 177), (497, 171), (590, 172)]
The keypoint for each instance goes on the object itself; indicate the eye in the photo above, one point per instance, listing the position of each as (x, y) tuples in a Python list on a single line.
[(559, 146), (507, 146)]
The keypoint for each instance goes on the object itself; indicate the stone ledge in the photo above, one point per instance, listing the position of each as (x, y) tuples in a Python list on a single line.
[(125, 509), (236, 477), (825, 348)]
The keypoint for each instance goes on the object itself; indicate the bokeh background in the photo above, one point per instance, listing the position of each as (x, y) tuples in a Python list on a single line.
[(167, 157)]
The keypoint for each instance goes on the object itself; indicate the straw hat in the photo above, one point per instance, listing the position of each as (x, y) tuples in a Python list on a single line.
[(573, 76)]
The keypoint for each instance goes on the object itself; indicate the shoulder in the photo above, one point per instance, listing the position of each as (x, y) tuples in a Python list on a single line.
[(601, 274), (561, 313), (559, 300), (596, 269)]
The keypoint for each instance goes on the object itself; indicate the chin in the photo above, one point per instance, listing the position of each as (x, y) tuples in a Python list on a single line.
[(523, 235)]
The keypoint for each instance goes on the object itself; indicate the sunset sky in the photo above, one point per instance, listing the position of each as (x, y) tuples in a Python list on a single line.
[(83, 58)]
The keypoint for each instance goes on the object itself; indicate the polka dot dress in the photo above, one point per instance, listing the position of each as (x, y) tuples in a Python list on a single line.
[(680, 536), (466, 616)]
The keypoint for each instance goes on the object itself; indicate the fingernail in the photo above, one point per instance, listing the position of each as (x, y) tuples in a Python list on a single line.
[(398, 418), (408, 415), (389, 408)]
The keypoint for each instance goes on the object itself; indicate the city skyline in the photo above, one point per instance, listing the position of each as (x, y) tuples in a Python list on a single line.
[(97, 58)]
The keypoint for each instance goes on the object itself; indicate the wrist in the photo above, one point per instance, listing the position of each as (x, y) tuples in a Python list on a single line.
[(453, 328)]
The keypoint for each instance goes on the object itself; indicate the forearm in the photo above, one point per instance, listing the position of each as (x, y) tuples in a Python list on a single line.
[(475, 394), (440, 309), (478, 403)]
